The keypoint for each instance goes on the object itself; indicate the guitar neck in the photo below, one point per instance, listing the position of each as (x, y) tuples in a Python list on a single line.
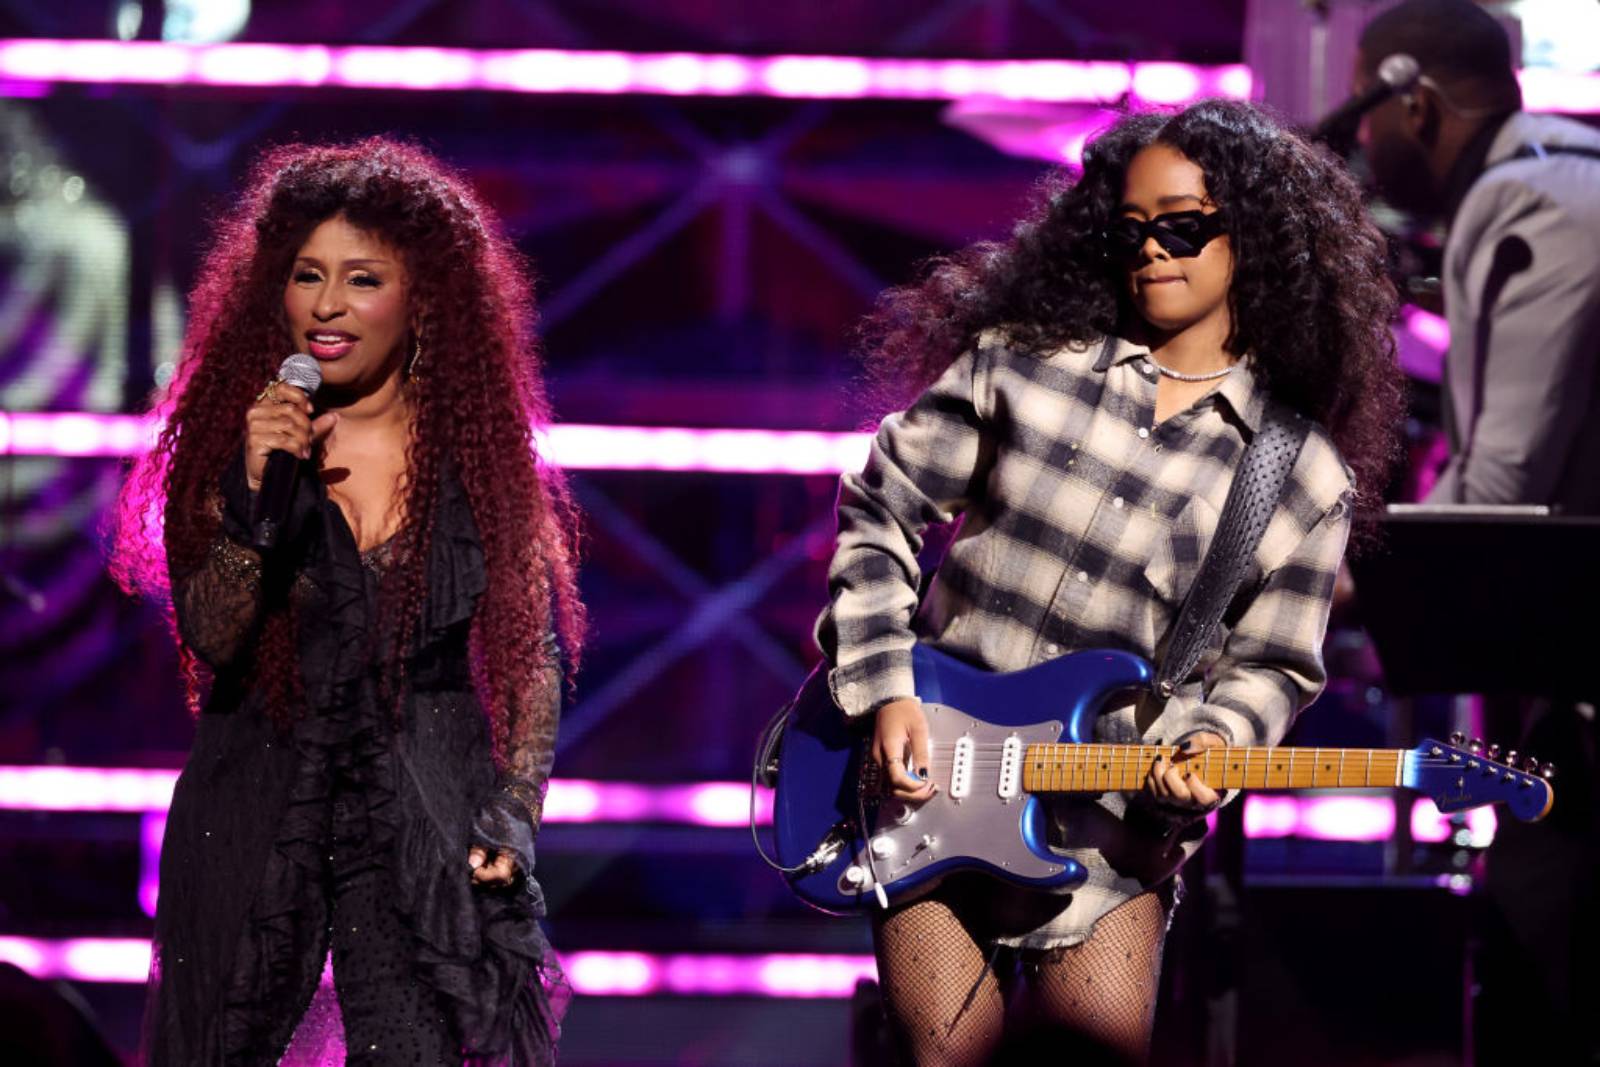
[(1073, 768)]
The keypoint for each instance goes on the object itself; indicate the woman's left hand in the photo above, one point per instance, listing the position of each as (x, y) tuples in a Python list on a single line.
[(1172, 783), (486, 871)]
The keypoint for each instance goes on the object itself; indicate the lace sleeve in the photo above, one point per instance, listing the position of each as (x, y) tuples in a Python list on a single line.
[(218, 603), (509, 819)]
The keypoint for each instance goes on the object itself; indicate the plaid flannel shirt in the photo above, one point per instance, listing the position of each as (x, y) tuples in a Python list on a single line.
[(1083, 524)]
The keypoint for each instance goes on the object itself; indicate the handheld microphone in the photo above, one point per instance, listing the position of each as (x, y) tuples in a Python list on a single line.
[(277, 482), (1397, 73)]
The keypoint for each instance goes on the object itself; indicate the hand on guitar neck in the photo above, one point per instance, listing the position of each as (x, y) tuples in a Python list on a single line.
[(1174, 784), (900, 743)]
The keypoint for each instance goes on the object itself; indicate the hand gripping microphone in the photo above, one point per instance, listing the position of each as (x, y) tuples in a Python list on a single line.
[(1397, 73), (277, 482)]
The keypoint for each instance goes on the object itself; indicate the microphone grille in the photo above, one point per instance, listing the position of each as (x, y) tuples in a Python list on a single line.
[(1399, 71), (302, 372)]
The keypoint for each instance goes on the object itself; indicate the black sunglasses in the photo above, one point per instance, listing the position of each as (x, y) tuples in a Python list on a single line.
[(1181, 233)]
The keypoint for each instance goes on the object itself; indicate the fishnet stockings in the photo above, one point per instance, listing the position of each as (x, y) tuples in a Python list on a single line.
[(1094, 1000), (1103, 990), (942, 996)]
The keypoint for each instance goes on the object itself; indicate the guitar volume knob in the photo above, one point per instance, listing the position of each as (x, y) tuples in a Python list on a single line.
[(882, 847), (855, 875)]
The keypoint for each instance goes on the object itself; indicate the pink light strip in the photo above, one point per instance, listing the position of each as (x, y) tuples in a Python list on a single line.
[(1321, 818), (27, 64), (701, 804), (638, 974), (556, 71), (1428, 824), (574, 446), (152, 831), (653, 448), (570, 800), (75, 433), (1360, 818), (600, 974), (113, 789), (583, 800)]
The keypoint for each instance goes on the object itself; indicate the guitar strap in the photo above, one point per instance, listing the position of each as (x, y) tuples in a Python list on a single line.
[(1252, 500)]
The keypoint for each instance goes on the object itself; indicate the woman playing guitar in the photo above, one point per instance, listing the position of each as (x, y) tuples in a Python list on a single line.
[(1079, 397)]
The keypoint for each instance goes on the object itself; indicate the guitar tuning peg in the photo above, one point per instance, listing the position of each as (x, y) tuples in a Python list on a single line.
[(1548, 771), (1457, 738), (1494, 752), (1511, 759), (1475, 746), (1530, 764)]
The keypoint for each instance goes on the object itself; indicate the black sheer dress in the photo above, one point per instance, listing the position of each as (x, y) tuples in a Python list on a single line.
[(273, 839)]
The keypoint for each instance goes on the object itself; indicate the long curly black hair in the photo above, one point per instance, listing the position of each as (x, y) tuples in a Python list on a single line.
[(1311, 302)]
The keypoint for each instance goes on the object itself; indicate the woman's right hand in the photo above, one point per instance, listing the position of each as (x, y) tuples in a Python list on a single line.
[(281, 422), (901, 734)]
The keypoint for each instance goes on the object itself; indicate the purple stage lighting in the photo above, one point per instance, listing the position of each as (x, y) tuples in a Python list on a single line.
[(571, 445), (152, 828), (1430, 825), (1343, 818), (581, 800), (26, 64), (36, 61), (599, 974), (575, 800)]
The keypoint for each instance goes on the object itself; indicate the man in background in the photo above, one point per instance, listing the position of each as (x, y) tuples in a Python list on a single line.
[(1520, 197)]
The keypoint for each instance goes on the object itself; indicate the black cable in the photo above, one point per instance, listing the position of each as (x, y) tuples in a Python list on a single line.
[(767, 747)]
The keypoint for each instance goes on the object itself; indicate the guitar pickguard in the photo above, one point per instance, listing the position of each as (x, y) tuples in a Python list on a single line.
[(977, 816)]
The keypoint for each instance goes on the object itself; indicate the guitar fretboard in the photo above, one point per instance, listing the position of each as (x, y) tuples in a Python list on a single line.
[(1071, 768)]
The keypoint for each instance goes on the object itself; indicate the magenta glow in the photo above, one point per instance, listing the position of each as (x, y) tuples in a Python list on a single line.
[(576, 800), (572, 445), (1342, 818), (562, 71), (592, 973)]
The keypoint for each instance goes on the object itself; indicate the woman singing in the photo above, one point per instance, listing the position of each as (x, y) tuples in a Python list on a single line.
[(371, 757), (1087, 389)]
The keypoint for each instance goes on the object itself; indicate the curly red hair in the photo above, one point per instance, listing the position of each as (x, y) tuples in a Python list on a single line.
[(471, 296)]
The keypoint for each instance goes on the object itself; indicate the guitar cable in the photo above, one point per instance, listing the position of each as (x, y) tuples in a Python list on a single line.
[(764, 771), (872, 862)]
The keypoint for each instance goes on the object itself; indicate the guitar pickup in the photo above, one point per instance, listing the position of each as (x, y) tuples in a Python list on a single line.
[(961, 767), (1010, 785)]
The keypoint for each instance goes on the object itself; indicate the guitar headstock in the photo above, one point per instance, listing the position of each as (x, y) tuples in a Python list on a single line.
[(1467, 774)]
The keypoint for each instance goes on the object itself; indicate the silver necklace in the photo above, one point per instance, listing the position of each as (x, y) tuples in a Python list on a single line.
[(1179, 376)]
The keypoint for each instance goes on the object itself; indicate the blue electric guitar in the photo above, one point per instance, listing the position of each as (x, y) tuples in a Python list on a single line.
[(1000, 740)]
